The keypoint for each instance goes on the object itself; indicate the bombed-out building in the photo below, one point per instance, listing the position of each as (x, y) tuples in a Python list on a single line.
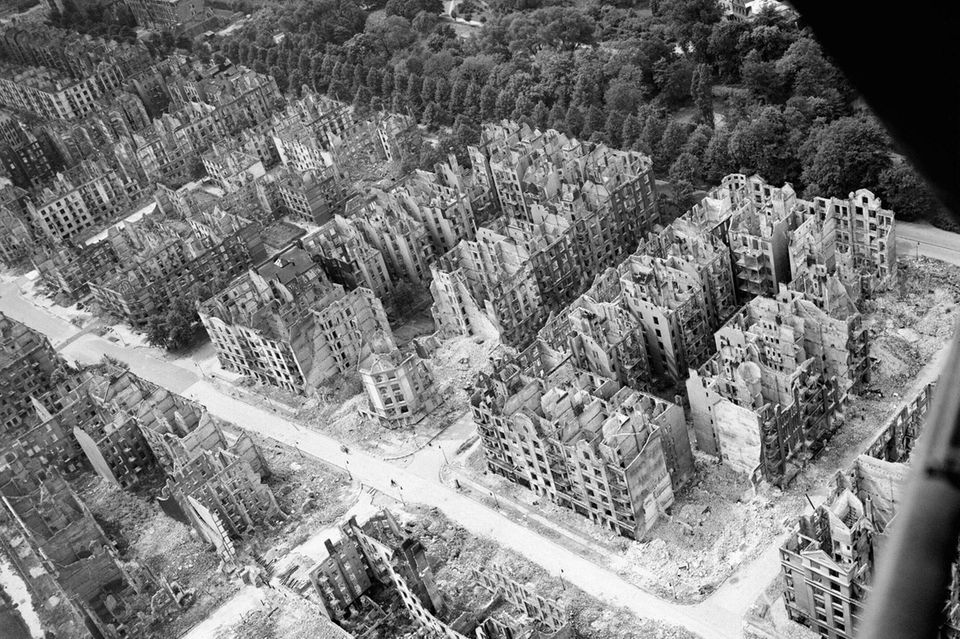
[(609, 453), (829, 561), (181, 259), (68, 562), (570, 209), (758, 406), (31, 374), (380, 554), (399, 386), (347, 257), (285, 324)]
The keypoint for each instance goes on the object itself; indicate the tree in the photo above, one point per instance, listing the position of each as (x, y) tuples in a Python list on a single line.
[(701, 90), (175, 329), (425, 22), (843, 156), (593, 121), (691, 22), (686, 168), (723, 49), (573, 121), (671, 143), (558, 115), (654, 125), (632, 129), (763, 80), (764, 143), (488, 103), (613, 129), (674, 81), (716, 157), (907, 194), (197, 170)]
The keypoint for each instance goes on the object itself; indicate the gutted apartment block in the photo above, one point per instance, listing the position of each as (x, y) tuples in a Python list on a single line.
[(376, 552), (612, 454), (792, 329), (854, 238), (380, 559), (400, 237), (570, 209), (285, 324), (61, 74), (447, 202), (399, 385), (759, 407), (602, 337), (181, 258), (347, 257), (82, 198), (137, 429), (703, 256), (493, 274), (31, 374), (313, 196), (829, 561), (68, 562)]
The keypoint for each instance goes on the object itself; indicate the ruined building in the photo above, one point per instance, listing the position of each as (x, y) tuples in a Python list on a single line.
[(488, 282), (181, 259), (81, 199), (661, 317), (285, 324), (380, 553), (447, 202), (347, 257), (701, 255), (769, 395), (31, 374), (314, 196), (570, 209), (69, 564), (61, 74), (399, 385), (390, 228), (613, 454), (67, 267), (777, 238), (601, 336), (792, 329), (829, 560), (130, 431)]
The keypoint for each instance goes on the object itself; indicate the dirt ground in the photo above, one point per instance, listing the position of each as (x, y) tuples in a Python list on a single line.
[(717, 522), (314, 494), (279, 616), (146, 535), (453, 552)]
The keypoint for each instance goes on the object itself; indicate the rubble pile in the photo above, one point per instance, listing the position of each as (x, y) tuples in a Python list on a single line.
[(279, 617), (145, 535), (313, 494), (716, 524), (454, 552)]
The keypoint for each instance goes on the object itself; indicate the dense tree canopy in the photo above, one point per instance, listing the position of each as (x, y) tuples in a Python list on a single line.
[(705, 95)]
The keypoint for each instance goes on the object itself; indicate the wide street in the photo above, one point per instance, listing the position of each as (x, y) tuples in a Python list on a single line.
[(934, 243), (720, 615)]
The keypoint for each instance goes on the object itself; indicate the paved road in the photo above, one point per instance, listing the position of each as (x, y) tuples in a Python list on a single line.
[(933, 242)]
